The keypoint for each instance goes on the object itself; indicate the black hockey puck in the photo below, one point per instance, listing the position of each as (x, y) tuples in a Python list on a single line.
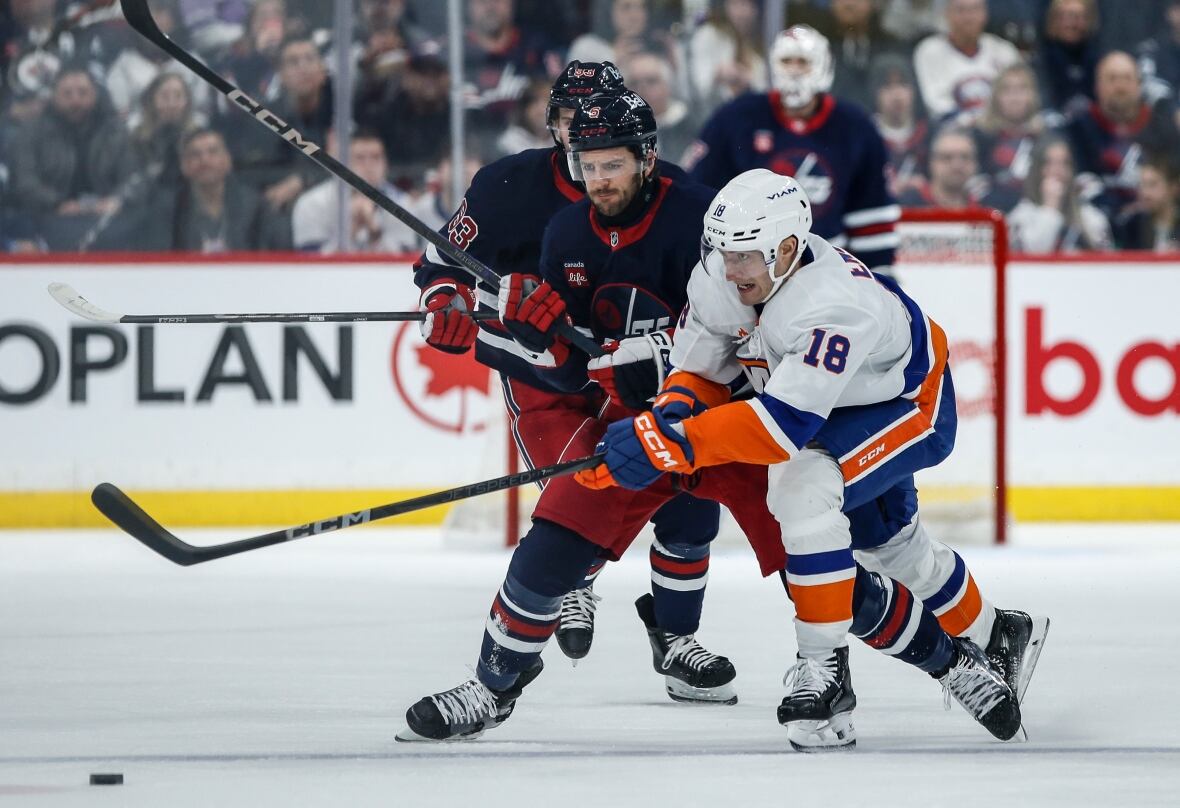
[(106, 779)]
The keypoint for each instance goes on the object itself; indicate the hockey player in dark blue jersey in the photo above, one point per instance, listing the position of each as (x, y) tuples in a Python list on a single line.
[(831, 147), (637, 241), (500, 222)]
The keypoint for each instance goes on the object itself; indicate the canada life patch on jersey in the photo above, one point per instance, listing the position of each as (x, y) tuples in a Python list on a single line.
[(575, 274)]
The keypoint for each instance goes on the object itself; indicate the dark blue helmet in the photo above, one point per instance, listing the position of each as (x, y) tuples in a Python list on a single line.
[(579, 81), (606, 122)]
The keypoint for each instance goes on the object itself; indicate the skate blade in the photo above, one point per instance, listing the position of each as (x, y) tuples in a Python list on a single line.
[(834, 735), (1036, 644), (407, 735), (687, 694)]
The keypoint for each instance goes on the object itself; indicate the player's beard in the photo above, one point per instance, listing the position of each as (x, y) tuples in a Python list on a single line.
[(620, 197)]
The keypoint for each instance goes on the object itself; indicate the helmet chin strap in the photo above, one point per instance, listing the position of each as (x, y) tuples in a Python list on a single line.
[(777, 283)]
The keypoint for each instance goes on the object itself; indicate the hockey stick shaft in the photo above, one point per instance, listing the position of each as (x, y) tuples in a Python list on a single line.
[(139, 17), (122, 510), (68, 297)]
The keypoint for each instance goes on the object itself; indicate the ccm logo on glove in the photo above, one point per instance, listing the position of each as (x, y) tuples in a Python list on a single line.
[(651, 436)]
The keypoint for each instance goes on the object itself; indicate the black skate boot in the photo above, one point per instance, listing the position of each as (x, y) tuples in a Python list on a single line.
[(817, 711), (691, 673), (1015, 646), (575, 624), (463, 713), (977, 685)]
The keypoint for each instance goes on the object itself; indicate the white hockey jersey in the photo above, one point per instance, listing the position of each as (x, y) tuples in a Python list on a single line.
[(834, 335)]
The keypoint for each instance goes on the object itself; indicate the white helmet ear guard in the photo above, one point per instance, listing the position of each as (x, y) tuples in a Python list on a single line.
[(757, 210), (801, 42)]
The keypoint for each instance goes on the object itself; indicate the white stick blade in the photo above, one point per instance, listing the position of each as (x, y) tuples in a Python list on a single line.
[(68, 297)]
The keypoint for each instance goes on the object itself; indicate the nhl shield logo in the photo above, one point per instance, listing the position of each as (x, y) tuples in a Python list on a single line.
[(763, 141), (614, 238)]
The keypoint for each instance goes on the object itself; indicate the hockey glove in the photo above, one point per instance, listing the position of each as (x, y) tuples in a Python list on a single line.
[(677, 403), (633, 370), (530, 311), (448, 325), (637, 451)]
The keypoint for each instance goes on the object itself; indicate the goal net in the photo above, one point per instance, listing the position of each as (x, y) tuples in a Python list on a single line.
[(953, 263)]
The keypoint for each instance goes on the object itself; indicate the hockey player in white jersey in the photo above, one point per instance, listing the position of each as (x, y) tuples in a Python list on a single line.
[(858, 396)]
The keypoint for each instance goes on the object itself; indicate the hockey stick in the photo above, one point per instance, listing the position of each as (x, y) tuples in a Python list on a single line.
[(120, 509), (67, 296), (139, 17)]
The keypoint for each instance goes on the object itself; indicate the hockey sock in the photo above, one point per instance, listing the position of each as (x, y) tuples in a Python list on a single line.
[(549, 562), (678, 576), (888, 617), (592, 573)]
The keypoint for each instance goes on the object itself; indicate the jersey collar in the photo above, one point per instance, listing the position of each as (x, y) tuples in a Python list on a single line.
[(619, 237), (565, 186), (1121, 129), (801, 127)]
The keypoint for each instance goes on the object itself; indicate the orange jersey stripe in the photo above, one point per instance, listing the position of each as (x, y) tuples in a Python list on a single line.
[(710, 393), (731, 433), (959, 618), (900, 435), (825, 603)]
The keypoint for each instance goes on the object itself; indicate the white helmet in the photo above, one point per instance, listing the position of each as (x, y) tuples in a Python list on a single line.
[(757, 210), (802, 42)]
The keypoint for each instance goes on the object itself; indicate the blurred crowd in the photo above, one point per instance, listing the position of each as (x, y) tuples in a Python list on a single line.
[(1061, 113)]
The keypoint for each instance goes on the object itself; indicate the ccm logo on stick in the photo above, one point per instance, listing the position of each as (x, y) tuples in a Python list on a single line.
[(284, 129), (651, 436)]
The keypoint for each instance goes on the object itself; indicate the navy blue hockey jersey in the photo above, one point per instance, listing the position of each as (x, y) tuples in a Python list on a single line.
[(500, 222), (625, 280), (837, 156)]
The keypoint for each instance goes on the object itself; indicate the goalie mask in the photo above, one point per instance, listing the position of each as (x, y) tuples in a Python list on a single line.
[(604, 123), (756, 211), (579, 81), (798, 87)]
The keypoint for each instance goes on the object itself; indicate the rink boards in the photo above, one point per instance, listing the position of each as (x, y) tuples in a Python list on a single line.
[(267, 423)]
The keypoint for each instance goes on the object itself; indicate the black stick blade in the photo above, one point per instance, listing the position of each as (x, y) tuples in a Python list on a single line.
[(133, 520)]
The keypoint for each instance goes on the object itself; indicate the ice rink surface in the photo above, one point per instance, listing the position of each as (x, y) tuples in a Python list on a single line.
[(279, 677)]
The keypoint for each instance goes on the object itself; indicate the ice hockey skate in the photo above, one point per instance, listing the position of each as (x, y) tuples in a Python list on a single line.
[(817, 711), (465, 712), (691, 673), (575, 625), (976, 684), (1015, 646)]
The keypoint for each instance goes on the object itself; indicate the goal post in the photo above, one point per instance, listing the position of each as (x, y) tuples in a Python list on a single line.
[(954, 263)]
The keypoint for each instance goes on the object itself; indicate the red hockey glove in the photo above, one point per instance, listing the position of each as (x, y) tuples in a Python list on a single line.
[(633, 370), (448, 325), (530, 311)]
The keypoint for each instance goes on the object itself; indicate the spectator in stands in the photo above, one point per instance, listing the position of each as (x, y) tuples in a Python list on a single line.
[(725, 57), (499, 59), (1017, 21), (906, 133), (1068, 53), (1159, 57), (1153, 222), (1008, 129), (650, 74), (314, 221), (436, 207), (215, 26), (136, 65), (29, 65), (955, 70), (70, 164), (413, 118), (387, 39), (912, 20), (1111, 135), (166, 115), (304, 102), (212, 212), (528, 129), (629, 33), (1125, 24), (954, 166), (252, 61), (856, 36), (1053, 216)]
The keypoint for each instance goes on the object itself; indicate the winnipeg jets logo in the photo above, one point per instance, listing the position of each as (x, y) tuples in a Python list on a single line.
[(810, 170)]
